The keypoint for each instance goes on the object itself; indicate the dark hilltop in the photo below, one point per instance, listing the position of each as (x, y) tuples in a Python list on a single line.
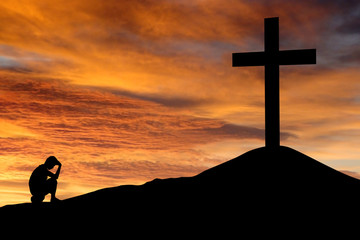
[(253, 189)]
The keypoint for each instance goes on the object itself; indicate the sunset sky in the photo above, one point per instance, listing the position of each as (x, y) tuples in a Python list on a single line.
[(122, 92)]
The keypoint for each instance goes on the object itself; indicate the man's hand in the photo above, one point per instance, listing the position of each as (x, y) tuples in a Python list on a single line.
[(59, 163)]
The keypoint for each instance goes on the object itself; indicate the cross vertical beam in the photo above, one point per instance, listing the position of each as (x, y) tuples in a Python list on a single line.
[(271, 58), (272, 93)]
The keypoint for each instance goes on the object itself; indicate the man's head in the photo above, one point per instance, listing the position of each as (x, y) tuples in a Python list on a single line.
[(51, 162)]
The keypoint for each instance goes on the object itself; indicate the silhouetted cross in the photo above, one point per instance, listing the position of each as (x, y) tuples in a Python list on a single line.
[(271, 58)]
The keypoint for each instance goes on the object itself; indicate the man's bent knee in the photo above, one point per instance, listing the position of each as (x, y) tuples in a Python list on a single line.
[(52, 181), (51, 185)]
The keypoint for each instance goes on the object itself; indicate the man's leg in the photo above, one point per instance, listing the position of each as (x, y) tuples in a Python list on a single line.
[(37, 198), (51, 188)]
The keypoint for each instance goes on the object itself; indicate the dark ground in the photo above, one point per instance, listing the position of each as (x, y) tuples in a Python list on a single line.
[(264, 192)]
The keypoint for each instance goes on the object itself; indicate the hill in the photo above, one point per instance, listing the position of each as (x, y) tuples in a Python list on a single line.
[(259, 184)]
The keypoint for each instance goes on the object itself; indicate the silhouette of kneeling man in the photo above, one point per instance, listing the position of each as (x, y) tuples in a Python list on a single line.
[(39, 183)]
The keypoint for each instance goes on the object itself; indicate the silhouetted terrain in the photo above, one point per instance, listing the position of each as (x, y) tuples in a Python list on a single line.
[(257, 187)]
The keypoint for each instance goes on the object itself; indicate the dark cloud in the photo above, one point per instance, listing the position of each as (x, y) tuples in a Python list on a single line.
[(168, 101), (239, 132), (234, 131), (350, 25), (353, 57), (149, 170)]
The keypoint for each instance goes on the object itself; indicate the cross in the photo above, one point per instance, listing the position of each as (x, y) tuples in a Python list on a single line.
[(271, 58)]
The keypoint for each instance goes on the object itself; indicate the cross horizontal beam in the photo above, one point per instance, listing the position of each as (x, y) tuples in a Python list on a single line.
[(285, 57), (271, 58)]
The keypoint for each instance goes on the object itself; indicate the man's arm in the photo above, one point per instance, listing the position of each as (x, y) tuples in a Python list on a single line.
[(58, 171)]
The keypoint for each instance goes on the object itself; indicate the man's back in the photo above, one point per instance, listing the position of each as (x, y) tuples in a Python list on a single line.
[(38, 177)]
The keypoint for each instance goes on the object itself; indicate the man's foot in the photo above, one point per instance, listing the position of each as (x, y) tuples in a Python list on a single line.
[(55, 200), (37, 199)]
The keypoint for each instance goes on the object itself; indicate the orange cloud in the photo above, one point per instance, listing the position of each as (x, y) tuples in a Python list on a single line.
[(103, 139), (116, 88)]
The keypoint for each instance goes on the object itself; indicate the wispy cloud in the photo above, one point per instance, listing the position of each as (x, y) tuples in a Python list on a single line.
[(100, 134), (131, 90)]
